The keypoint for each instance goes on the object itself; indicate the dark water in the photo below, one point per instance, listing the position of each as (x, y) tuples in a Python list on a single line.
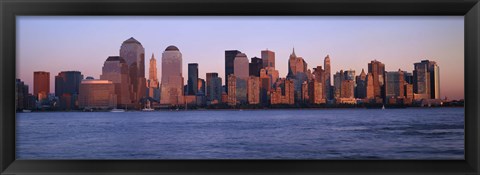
[(436, 133)]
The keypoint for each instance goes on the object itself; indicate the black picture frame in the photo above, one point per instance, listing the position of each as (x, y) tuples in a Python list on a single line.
[(9, 9)]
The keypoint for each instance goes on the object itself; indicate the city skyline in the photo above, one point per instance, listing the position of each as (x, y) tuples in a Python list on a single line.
[(451, 63)]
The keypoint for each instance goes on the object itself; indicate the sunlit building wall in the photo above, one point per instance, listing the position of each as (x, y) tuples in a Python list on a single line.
[(171, 87), (97, 94), (115, 69), (370, 88), (232, 90), (241, 72), (229, 64), (153, 85), (268, 58), (133, 53), (253, 90), (316, 94), (377, 69), (41, 84)]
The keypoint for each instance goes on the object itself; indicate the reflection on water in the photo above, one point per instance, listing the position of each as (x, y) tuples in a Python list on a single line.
[(417, 133)]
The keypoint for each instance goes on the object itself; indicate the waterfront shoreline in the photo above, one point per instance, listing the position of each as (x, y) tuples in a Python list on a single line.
[(250, 109)]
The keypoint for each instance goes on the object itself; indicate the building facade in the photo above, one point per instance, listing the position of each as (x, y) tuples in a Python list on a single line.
[(268, 58), (214, 88), (253, 92), (67, 88), (421, 81), (316, 93), (254, 67), (328, 76), (133, 53), (426, 80), (41, 85), (97, 94), (361, 88), (153, 85), (192, 81), (377, 69), (229, 64), (241, 72), (171, 87), (394, 85), (232, 90), (115, 69)]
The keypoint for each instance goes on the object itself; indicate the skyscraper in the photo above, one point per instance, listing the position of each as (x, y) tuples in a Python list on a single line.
[(172, 80), (337, 84), (255, 66), (253, 87), (192, 82), (214, 88), (21, 95), (421, 81), (201, 86), (265, 87), (229, 58), (41, 84), (361, 88), (283, 93), (133, 53), (394, 84), (67, 87), (296, 66), (427, 69), (328, 84), (347, 89), (315, 92), (268, 58), (232, 90), (241, 72), (153, 84), (297, 71), (319, 77), (370, 89), (115, 69), (377, 69)]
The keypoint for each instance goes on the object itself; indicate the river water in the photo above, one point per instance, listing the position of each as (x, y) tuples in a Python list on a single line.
[(412, 133)]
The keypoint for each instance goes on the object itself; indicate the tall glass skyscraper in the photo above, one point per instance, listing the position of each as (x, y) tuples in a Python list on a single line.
[(268, 58), (134, 54), (214, 87), (115, 69), (426, 79), (192, 82), (229, 68), (377, 69), (67, 87), (171, 88), (328, 84), (241, 72)]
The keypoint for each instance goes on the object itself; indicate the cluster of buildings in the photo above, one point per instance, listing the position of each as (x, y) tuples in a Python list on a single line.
[(122, 83)]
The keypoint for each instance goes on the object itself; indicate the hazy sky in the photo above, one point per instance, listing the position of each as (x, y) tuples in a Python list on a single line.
[(57, 44)]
